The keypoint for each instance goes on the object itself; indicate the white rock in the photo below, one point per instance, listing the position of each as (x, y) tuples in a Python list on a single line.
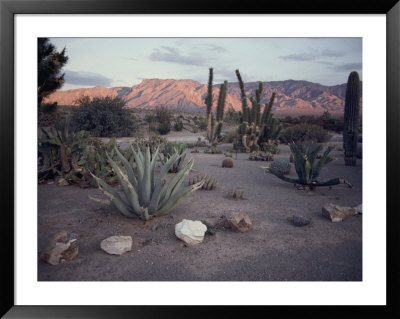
[(117, 245), (359, 209), (191, 232)]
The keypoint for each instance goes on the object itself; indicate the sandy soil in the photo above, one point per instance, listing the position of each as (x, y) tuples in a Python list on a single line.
[(274, 250)]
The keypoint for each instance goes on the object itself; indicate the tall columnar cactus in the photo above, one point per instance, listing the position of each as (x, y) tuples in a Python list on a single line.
[(214, 123), (270, 128), (146, 194), (351, 114), (255, 128)]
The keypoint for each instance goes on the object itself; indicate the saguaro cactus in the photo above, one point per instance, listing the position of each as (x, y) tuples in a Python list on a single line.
[(214, 124), (351, 114)]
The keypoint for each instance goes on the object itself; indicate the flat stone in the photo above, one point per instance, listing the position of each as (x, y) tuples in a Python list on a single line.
[(337, 213), (190, 231), (300, 220), (62, 247), (116, 245), (239, 222)]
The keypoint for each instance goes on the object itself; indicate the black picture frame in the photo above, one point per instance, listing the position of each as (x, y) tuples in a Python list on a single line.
[(7, 11)]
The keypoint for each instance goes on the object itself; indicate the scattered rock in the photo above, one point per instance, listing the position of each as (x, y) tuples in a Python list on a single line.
[(227, 162), (299, 220), (358, 208), (239, 222), (191, 232), (117, 245), (337, 213), (61, 248)]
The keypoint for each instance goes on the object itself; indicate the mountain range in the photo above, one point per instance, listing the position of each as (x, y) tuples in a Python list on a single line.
[(292, 97)]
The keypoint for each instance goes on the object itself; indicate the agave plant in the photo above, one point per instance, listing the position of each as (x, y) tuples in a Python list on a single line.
[(147, 195), (169, 150), (307, 168), (60, 148)]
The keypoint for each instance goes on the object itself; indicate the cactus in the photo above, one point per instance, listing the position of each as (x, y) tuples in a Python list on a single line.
[(307, 168), (210, 182), (169, 150), (281, 165), (351, 114), (144, 193), (269, 147), (214, 123), (255, 128), (60, 149), (212, 150), (236, 193), (261, 156), (227, 162)]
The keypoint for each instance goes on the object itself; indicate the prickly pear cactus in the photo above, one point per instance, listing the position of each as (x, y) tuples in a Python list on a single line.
[(210, 182), (282, 165)]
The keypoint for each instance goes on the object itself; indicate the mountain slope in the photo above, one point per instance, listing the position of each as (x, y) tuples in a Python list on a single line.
[(292, 97)]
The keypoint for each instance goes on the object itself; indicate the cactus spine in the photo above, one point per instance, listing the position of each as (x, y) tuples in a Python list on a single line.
[(214, 124), (351, 113)]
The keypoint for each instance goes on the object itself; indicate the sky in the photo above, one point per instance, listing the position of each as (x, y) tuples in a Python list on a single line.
[(115, 62)]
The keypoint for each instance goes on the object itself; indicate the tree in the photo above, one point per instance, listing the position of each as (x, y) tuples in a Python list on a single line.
[(103, 117), (50, 63)]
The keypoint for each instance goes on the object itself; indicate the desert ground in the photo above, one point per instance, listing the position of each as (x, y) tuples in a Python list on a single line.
[(273, 250)]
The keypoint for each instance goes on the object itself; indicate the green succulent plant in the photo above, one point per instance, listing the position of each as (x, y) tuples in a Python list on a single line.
[(147, 195), (169, 150), (60, 149), (307, 168)]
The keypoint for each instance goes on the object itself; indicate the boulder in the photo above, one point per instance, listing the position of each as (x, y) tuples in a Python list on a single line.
[(116, 245), (61, 248), (239, 222), (337, 213), (191, 232), (299, 220)]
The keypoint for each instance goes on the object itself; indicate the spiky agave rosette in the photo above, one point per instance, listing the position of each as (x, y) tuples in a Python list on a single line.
[(147, 195), (307, 168)]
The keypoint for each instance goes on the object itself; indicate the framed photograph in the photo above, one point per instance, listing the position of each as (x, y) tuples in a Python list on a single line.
[(157, 155)]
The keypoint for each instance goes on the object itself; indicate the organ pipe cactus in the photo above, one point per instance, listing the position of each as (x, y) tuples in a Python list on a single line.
[(307, 168), (255, 128), (351, 114), (214, 123), (145, 194)]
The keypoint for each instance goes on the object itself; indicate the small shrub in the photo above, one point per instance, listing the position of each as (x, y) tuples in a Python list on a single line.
[(232, 117), (48, 107), (178, 126), (103, 117), (202, 124), (304, 132), (164, 128), (229, 136), (163, 114)]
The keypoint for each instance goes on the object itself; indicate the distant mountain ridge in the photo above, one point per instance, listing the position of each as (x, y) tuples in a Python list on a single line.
[(292, 97)]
